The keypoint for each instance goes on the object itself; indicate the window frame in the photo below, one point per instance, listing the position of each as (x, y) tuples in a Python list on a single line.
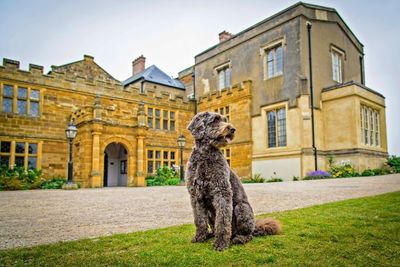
[(265, 51), (224, 111), (16, 98), (277, 127), (226, 70), (26, 154), (169, 161), (337, 69), (163, 120), (370, 123)]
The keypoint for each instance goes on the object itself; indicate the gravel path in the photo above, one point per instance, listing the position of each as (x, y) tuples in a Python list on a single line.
[(29, 218)]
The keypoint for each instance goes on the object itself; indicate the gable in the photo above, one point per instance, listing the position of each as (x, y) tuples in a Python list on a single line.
[(86, 68)]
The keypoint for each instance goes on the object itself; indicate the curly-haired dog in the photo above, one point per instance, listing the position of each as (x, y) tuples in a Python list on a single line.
[(218, 198)]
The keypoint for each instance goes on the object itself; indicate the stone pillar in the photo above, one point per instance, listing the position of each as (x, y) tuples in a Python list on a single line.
[(140, 179), (95, 173)]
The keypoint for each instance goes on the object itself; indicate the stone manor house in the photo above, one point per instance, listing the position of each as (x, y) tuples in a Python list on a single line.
[(259, 78)]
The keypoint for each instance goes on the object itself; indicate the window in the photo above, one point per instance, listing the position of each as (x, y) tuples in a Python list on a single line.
[(274, 61), (27, 100), (224, 111), (5, 153), (160, 119), (227, 154), (337, 74), (370, 126), (224, 77), (23, 155), (8, 95), (158, 157), (276, 120)]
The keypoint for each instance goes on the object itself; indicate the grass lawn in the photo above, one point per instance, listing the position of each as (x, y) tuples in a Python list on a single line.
[(359, 232)]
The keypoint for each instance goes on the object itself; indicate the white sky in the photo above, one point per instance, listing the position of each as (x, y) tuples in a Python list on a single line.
[(170, 33)]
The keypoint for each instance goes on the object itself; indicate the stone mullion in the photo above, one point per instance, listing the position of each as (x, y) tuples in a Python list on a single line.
[(140, 161), (39, 156), (12, 154), (26, 155)]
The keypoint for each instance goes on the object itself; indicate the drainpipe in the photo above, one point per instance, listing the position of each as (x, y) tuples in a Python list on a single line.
[(194, 91), (312, 96), (362, 70)]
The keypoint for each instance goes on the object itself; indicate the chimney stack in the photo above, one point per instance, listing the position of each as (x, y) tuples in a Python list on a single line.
[(138, 65), (224, 36)]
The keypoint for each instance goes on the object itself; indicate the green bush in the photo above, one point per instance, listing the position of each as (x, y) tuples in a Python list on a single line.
[(344, 169), (368, 172), (18, 178), (54, 183), (274, 180), (394, 162), (256, 178), (163, 176)]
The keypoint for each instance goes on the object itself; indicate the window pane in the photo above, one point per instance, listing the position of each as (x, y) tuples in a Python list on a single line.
[(229, 162), (34, 94), (150, 112), (150, 154), (172, 155), (221, 79), (157, 123), (20, 148), (32, 149), (32, 162), (172, 126), (158, 164), (5, 160), (19, 161), (279, 60), (227, 77), (7, 105), (271, 129), (165, 124), (5, 147), (227, 110), (165, 155), (172, 115), (281, 127), (270, 63), (150, 122), (150, 167), (158, 113), (158, 154), (21, 106), (165, 114), (22, 92), (34, 109), (172, 163), (228, 153), (8, 90)]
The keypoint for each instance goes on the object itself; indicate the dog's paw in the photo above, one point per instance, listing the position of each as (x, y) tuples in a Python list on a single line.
[(241, 239), (219, 245), (200, 238)]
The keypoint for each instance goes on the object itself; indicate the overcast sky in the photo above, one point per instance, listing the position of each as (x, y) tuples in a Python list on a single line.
[(170, 33)]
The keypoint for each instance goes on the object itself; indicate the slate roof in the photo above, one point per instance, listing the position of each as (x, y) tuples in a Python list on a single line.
[(155, 75)]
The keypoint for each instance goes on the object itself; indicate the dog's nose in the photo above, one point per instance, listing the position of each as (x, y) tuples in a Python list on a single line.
[(232, 130)]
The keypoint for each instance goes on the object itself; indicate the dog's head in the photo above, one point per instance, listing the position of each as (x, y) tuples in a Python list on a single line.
[(212, 128)]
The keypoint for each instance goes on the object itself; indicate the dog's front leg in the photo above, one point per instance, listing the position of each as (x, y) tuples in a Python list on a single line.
[(223, 220), (200, 221)]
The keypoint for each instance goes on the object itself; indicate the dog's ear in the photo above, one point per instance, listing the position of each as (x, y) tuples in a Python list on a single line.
[(198, 125)]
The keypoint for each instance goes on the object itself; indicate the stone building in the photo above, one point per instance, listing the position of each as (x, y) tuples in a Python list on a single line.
[(259, 78)]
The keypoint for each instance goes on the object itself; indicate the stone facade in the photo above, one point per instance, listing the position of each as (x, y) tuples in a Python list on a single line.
[(258, 78)]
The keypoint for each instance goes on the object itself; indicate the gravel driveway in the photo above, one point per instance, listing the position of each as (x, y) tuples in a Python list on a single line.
[(28, 218)]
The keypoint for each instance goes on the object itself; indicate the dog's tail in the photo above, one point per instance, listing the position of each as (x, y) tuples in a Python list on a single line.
[(267, 226)]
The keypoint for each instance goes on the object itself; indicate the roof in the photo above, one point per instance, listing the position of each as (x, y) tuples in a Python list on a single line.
[(340, 85), (278, 14), (155, 75)]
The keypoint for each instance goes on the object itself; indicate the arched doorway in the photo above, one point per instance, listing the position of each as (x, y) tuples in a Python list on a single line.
[(115, 165)]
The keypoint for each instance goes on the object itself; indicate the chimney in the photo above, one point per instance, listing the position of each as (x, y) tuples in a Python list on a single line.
[(138, 65), (224, 36)]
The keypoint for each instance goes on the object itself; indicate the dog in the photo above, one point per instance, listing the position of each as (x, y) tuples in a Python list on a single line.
[(220, 205)]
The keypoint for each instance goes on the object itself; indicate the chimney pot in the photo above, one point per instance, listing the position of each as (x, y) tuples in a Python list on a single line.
[(138, 65), (224, 36)]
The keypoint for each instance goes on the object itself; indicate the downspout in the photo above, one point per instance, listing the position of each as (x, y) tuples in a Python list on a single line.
[(312, 96), (194, 91), (362, 70)]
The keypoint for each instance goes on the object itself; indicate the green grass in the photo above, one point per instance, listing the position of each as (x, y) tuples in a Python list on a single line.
[(359, 232)]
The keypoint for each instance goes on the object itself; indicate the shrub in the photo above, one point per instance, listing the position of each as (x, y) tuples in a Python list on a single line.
[(368, 172), (318, 174), (18, 178), (296, 178), (343, 169), (394, 162), (274, 180), (256, 178), (163, 176), (54, 183)]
